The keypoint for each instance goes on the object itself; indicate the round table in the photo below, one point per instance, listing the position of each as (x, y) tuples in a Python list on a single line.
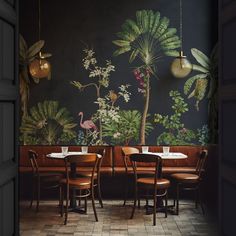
[(169, 156), (60, 155)]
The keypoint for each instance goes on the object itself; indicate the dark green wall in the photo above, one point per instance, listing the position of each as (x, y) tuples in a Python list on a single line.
[(68, 25)]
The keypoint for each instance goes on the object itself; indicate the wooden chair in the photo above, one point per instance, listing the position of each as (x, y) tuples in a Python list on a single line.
[(192, 182), (97, 176), (84, 186), (156, 184), (41, 180), (126, 152)]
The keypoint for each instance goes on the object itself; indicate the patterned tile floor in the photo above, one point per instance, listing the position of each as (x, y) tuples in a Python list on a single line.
[(113, 220)]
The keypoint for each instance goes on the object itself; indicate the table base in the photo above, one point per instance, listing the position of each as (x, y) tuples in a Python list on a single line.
[(170, 209)]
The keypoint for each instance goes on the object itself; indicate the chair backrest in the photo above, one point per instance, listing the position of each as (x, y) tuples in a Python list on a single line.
[(33, 161), (129, 150), (101, 152), (201, 162), (126, 152), (146, 158), (76, 160)]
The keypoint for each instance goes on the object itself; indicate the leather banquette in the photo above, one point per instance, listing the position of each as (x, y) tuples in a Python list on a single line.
[(113, 162)]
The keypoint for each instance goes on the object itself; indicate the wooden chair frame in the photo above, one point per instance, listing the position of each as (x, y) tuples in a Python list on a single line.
[(193, 186), (148, 158), (84, 191), (97, 181), (126, 152), (37, 176)]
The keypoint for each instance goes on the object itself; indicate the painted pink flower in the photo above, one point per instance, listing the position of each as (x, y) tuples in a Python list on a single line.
[(136, 72)]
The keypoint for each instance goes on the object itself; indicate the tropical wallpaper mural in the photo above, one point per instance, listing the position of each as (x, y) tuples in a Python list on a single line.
[(110, 82)]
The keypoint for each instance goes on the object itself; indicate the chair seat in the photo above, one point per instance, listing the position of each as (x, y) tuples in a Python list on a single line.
[(49, 174), (161, 183), (142, 172), (50, 177), (185, 177), (81, 183), (88, 174)]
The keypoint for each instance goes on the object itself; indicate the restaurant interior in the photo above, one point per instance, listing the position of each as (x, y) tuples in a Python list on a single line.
[(118, 117)]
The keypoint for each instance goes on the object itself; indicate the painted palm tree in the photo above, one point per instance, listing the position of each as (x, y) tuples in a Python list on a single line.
[(147, 39), (205, 85), (49, 123)]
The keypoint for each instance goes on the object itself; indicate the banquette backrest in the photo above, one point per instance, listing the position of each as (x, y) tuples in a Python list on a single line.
[(43, 161)]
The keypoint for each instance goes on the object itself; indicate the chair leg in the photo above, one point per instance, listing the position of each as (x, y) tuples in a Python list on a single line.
[(125, 190), (177, 199), (166, 204), (85, 204), (59, 190), (38, 196), (138, 202), (99, 193), (196, 197), (200, 200), (135, 201), (67, 203), (79, 198), (146, 206), (62, 201), (32, 193), (154, 207), (93, 203)]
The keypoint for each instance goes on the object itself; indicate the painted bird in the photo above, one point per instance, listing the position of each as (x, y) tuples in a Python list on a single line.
[(87, 124)]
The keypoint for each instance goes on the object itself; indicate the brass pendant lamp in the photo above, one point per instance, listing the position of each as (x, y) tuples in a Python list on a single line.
[(181, 67), (40, 68)]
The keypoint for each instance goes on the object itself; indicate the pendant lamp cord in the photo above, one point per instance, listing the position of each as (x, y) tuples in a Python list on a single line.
[(39, 13), (181, 24)]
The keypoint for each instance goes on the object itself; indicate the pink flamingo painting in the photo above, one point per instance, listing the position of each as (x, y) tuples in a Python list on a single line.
[(87, 124)]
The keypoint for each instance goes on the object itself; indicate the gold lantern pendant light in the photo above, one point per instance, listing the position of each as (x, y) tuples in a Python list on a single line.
[(181, 67), (40, 68)]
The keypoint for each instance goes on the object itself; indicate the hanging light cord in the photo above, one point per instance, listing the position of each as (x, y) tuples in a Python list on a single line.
[(39, 13), (181, 24)]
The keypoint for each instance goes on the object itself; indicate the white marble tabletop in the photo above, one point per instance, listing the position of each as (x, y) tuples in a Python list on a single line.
[(170, 155), (60, 155)]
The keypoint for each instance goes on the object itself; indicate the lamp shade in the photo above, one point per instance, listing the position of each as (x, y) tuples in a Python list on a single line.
[(39, 68), (181, 67)]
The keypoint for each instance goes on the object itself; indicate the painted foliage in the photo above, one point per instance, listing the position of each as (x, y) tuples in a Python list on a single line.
[(125, 113)]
